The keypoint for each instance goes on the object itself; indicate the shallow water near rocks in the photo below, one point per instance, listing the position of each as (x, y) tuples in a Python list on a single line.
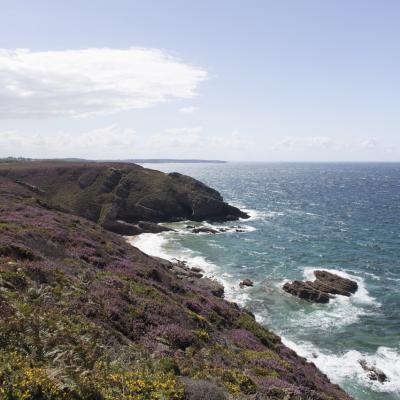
[(341, 217)]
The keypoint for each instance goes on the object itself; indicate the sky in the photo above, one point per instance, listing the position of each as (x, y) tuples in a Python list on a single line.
[(248, 80)]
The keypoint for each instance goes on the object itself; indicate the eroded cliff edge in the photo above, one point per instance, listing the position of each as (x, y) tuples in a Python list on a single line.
[(117, 195), (84, 315)]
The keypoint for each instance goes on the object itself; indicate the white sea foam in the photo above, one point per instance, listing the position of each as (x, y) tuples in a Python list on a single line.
[(346, 367), (150, 243), (185, 227)]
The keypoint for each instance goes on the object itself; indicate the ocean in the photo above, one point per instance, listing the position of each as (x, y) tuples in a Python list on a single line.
[(342, 217)]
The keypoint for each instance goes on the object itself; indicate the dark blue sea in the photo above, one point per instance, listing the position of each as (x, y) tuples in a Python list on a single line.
[(340, 217)]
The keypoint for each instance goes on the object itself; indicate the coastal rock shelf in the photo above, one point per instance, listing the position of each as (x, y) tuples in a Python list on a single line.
[(323, 288)]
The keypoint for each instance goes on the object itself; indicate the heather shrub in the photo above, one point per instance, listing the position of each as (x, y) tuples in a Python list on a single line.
[(203, 390), (245, 339), (177, 335)]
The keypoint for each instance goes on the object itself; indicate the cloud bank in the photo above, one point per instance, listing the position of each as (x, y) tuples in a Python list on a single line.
[(91, 81), (187, 110), (116, 142)]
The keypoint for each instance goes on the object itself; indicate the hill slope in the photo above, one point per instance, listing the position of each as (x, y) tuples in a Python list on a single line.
[(84, 315)]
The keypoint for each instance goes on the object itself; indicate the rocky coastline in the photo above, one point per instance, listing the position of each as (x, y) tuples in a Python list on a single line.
[(85, 315)]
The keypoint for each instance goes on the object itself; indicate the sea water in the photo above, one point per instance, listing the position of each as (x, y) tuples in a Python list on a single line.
[(340, 217)]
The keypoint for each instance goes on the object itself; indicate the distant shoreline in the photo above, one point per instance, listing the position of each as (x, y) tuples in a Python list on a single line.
[(174, 161), (133, 160)]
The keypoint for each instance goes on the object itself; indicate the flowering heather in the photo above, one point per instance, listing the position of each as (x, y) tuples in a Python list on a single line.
[(84, 315)]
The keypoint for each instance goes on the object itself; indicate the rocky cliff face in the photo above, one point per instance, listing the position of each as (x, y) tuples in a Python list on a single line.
[(115, 195), (85, 315)]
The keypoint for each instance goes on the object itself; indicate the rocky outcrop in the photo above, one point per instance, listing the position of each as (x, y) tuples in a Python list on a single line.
[(119, 195), (323, 288)]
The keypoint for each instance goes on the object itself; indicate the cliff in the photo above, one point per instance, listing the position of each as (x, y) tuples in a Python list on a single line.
[(85, 315), (117, 195)]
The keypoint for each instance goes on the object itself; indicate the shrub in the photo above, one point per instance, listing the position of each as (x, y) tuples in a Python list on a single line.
[(203, 390), (203, 335), (168, 364), (13, 279), (138, 385), (177, 335), (237, 383)]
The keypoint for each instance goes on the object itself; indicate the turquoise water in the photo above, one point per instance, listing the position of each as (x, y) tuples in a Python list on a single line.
[(342, 217)]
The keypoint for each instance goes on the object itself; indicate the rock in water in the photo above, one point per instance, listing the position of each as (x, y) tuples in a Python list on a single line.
[(323, 288)]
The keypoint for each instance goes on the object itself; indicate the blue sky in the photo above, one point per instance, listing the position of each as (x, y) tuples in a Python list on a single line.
[(236, 80)]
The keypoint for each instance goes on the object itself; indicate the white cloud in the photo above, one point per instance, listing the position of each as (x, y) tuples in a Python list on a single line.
[(369, 144), (292, 142), (90, 81), (187, 110)]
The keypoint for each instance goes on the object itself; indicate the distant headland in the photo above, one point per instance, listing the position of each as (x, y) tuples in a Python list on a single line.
[(133, 160)]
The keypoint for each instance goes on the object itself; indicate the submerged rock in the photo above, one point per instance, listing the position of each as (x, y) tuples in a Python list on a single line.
[(322, 289)]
